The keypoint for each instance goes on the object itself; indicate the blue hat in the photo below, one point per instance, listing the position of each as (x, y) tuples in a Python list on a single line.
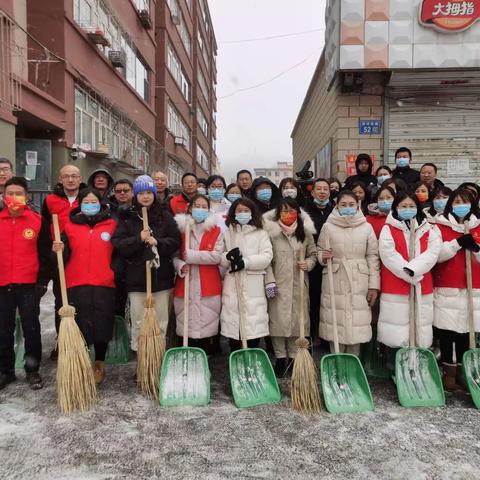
[(144, 183)]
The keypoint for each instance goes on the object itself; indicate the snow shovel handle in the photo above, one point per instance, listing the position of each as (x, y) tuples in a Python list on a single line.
[(61, 266), (468, 265), (332, 296), (412, 300), (148, 269), (186, 292), (302, 295)]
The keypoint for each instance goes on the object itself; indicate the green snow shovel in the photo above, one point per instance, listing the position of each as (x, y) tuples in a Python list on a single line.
[(417, 376), (185, 376), (344, 383), (471, 358), (374, 358), (118, 351), (19, 345)]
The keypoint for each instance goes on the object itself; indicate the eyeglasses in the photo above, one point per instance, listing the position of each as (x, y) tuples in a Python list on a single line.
[(123, 190), (5, 170)]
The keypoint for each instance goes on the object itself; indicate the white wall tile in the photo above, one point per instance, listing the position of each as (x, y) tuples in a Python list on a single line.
[(376, 32), (400, 56), (351, 56), (401, 32)]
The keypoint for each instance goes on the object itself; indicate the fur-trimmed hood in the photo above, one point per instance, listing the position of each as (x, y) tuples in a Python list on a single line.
[(274, 230), (209, 224)]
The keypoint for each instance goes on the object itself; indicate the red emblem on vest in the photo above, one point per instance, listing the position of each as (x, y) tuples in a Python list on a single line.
[(449, 15)]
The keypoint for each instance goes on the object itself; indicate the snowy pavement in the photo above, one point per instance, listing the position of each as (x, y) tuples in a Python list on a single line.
[(128, 437)]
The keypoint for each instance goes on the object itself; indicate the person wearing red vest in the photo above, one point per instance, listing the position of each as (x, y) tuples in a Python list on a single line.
[(398, 272), (179, 203), (87, 246), (61, 202), (378, 212), (201, 261), (23, 279), (450, 299)]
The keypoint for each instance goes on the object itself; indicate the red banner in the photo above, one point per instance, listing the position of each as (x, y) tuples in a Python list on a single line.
[(450, 15)]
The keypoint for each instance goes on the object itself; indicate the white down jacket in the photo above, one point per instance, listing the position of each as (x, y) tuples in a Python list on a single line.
[(356, 268), (394, 318), (255, 246), (450, 304)]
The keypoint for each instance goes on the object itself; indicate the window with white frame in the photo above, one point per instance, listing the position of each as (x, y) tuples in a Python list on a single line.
[(202, 121), (98, 127), (142, 5), (179, 21), (174, 173), (202, 158), (203, 11), (176, 126), (175, 68), (203, 84), (203, 49)]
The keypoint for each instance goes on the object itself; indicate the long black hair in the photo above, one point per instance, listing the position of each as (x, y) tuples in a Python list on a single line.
[(468, 197), (156, 212), (300, 199), (212, 178), (290, 202), (441, 190), (402, 195), (246, 202), (469, 186)]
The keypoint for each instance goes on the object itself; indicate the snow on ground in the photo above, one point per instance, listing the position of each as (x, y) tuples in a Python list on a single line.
[(128, 437)]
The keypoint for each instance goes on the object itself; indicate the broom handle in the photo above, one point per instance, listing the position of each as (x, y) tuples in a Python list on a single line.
[(468, 264), (147, 264), (412, 300), (302, 296), (186, 293), (61, 266), (332, 296)]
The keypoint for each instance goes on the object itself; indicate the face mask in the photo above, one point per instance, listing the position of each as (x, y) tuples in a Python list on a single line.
[(216, 194), (382, 178), (288, 218), (90, 209), (15, 203), (243, 217), (320, 203), (201, 191), (461, 210), (199, 214), (347, 211), (402, 162), (289, 193), (264, 195), (232, 197), (422, 197), (385, 205), (439, 204), (407, 213)]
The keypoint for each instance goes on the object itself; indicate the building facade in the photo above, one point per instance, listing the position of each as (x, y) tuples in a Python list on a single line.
[(85, 82), (395, 73), (276, 173)]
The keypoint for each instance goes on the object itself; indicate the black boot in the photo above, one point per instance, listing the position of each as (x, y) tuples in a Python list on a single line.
[(34, 380), (280, 367), (6, 378)]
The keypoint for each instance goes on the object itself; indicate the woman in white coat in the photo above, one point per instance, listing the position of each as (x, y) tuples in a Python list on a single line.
[(399, 272), (249, 253), (201, 260), (356, 274), (291, 232), (450, 299)]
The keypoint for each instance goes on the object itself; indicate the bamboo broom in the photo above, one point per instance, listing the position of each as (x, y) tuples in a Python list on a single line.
[(304, 385), (76, 388), (151, 344)]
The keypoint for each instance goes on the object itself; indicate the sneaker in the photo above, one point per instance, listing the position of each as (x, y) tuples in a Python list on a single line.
[(34, 380), (6, 378)]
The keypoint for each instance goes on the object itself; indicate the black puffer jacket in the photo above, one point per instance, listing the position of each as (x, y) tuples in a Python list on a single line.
[(129, 245), (367, 178), (263, 206)]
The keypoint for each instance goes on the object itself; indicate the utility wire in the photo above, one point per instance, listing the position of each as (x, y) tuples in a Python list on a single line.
[(272, 37)]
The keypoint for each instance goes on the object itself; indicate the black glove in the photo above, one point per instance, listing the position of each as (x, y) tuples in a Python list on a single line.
[(409, 271), (233, 254), (467, 242), (237, 265), (40, 291)]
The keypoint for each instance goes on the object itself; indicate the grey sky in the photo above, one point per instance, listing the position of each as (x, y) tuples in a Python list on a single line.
[(254, 126)]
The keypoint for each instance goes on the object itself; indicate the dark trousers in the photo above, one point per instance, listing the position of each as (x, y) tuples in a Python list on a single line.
[(100, 351), (315, 291), (121, 296), (447, 339), (22, 297), (237, 344), (58, 299)]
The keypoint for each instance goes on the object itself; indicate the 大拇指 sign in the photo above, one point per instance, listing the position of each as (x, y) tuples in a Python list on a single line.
[(449, 15)]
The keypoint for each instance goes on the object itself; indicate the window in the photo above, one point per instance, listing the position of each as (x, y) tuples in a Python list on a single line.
[(175, 68), (82, 12), (176, 126), (174, 173), (203, 84), (142, 5), (202, 121), (203, 49), (203, 11), (179, 21), (202, 158)]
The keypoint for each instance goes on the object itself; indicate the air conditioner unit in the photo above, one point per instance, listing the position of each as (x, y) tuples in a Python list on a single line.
[(176, 19), (103, 148), (145, 18), (180, 141), (118, 58)]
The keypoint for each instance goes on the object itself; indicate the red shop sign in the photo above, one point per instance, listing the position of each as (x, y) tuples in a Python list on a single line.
[(449, 15)]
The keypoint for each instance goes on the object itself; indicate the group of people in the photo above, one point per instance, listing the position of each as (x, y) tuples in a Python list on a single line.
[(243, 247)]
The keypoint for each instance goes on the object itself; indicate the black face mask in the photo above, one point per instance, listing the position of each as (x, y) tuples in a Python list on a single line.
[(334, 194)]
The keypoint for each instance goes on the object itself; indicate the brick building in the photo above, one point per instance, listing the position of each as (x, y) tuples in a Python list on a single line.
[(276, 173)]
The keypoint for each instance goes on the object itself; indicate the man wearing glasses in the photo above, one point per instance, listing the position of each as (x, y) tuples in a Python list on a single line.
[(122, 194), (62, 201), (6, 173)]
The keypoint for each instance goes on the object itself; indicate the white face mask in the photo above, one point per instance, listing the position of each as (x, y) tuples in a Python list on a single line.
[(289, 193)]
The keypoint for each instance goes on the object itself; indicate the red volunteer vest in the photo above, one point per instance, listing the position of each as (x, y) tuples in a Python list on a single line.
[(178, 204), (377, 222), (390, 282), (19, 256), (451, 274), (210, 279), (91, 256), (61, 206)]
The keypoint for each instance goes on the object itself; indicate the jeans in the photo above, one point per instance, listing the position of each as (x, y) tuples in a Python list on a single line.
[(24, 298)]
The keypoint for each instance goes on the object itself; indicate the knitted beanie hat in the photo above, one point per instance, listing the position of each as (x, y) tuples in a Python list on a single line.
[(144, 183)]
